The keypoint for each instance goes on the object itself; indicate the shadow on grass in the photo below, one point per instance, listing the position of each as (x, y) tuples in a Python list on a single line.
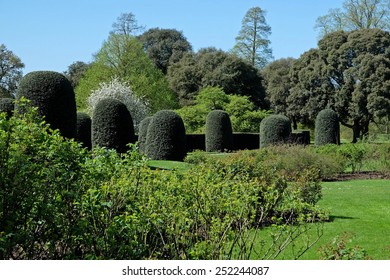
[(333, 218)]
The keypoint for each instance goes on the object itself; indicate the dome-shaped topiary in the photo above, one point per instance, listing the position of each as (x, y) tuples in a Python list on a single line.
[(143, 130), (166, 138), (274, 129), (53, 94), (7, 105), (219, 134), (112, 125), (327, 128), (83, 134)]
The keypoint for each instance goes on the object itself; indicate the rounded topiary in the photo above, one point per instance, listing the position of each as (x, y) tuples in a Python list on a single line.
[(7, 105), (112, 125), (83, 133), (142, 132), (219, 134), (166, 138), (327, 128), (274, 129), (53, 94)]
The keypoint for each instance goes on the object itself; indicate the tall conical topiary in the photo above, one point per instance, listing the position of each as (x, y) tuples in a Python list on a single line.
[(53, 94), (143, 130), (274, 130), (7, 105), (112, 125), (219, 134), (327, 128), (166, 138), (84, 134)]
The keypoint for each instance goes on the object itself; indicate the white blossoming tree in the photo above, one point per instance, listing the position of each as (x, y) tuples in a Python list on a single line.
[(121, 91)]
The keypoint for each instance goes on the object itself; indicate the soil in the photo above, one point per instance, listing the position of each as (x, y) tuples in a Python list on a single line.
[(359, 176)]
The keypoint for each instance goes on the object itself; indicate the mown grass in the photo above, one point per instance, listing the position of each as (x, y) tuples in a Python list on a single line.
[(360, 208)]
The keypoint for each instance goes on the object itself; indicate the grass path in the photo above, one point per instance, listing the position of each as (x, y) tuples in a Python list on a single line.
[(359, 207)]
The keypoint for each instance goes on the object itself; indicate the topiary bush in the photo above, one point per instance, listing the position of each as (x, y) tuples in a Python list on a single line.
[(327, 128), (219, 134), (83, 133), (143, 130), (112, 125), (53, 94), (166, 138), (7, 106), (274, 129)]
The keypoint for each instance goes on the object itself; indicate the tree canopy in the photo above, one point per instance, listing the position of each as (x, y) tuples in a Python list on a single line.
[(355, 15), (10, 72), (164, 46), (252, 43)]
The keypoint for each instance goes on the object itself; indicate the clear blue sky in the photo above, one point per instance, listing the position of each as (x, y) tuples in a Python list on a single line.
[(51, 34)]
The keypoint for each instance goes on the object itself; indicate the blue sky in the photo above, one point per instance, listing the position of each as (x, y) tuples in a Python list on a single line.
[(51, 34)]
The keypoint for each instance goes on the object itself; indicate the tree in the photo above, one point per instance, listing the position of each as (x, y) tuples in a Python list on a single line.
[(164, 46), (76, 71), (10, 72), (277, 83), (356, 15), (126, 24), (212, 67), (122, 56), (252, 43), (349, 72)]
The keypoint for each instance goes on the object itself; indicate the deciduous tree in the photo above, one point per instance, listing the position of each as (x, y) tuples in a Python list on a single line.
[(10, 72)]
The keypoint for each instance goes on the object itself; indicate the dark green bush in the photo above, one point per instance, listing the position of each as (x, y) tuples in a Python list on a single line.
[(142, 132), (53, 94), (83, 134), (166, 138), (5, 94), (7, 105), (219, 134), (327, 128), (274, 130), (112, 125)]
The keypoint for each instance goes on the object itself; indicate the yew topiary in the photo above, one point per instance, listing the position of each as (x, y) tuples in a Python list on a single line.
[(83, 134), (53, 95), (112, 125), (327, 128), (166, 138), (219, 134), (7, 105), (274, 130)]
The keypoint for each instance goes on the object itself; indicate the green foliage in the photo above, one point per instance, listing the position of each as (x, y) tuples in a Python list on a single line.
[(219, 134), (143, 130), (166, 137), (122, 56), (53, 94), (7, 105), (84, 126), (353, 154), (112, 125), (75, 72), (274, 129), (327, 128), (11, 72)]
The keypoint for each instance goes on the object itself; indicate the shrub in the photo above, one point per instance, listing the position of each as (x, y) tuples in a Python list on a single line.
[(274, 129), (7, 105), (219, 135), (166, 138), (83, 134), (53, 94), (327, 128), (112, 125), (143, 130), (121, 91)]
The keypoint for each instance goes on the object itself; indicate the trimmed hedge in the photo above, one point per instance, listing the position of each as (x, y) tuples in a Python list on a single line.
[(142, 132), (301, 137), (7, 105), (196, 142), (327, 128), (219, 133), (112, 125), (53, 94), (166, 138), (83, 134), (274, 129)]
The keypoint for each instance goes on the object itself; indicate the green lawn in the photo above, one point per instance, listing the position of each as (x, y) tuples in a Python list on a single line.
[(359, 207)]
